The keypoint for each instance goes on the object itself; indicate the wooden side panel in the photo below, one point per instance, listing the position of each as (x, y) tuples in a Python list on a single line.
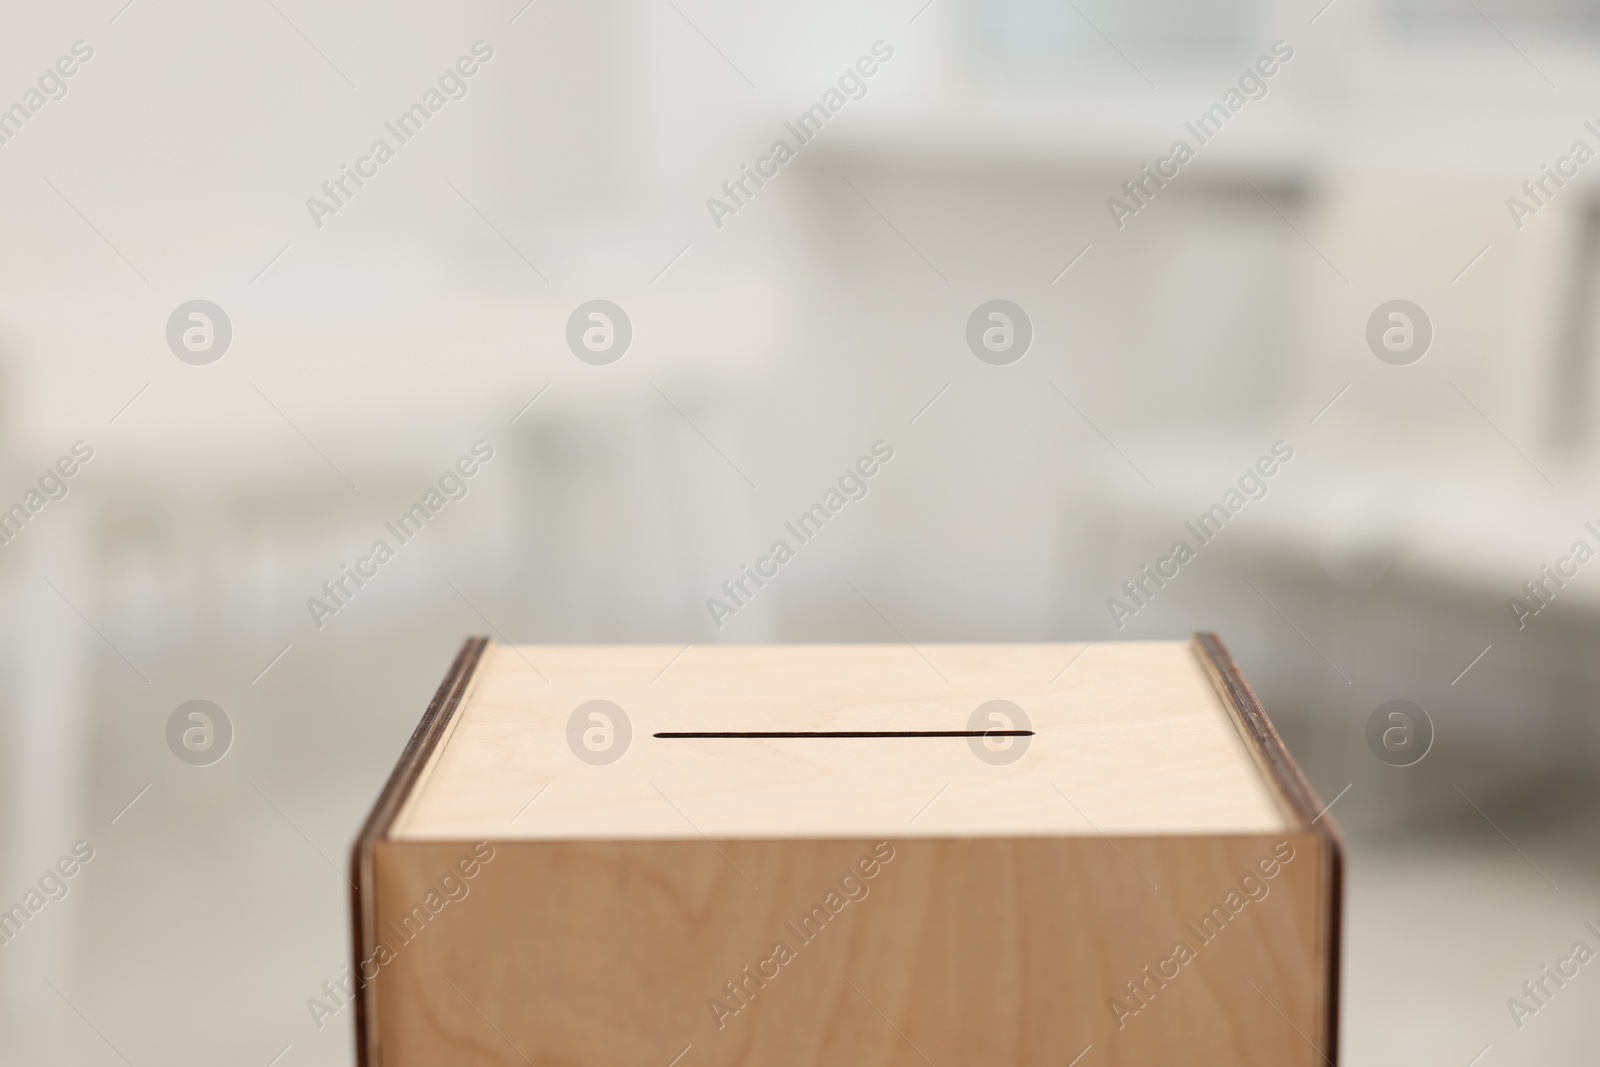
[(1004, 952), (1300, 804), (424, 744)]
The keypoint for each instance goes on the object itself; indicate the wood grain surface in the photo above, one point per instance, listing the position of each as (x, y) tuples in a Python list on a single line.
[(1004, 951), (1131, 738)]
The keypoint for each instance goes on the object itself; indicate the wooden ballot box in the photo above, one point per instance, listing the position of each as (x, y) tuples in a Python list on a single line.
[(864, 855)]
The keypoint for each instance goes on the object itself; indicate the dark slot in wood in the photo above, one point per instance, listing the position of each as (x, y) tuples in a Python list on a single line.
[(677, 734)]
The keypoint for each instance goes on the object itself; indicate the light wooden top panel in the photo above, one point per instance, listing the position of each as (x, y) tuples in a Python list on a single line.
[(1131, 740)]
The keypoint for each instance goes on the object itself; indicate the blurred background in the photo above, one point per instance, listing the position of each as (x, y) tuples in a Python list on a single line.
[(371, 346)]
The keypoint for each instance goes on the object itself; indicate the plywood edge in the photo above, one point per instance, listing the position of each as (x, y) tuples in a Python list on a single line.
[(1295, 795), (414, 758)]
